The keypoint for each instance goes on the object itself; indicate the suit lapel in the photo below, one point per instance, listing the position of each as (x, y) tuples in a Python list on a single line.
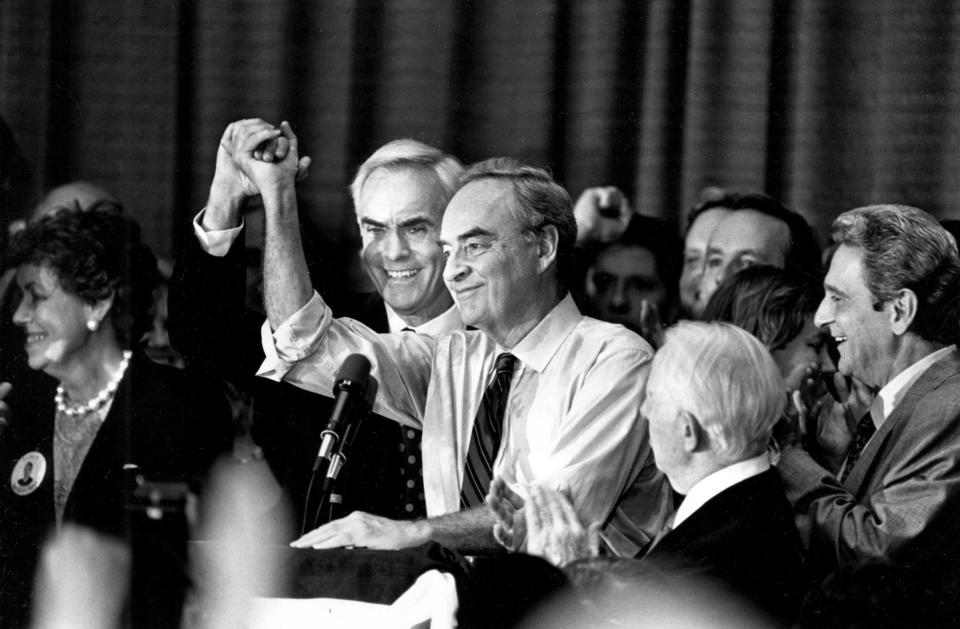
[(931, 378)]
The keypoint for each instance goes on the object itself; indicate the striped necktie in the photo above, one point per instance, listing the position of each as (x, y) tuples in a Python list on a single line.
[(861, 436), (486, 436)]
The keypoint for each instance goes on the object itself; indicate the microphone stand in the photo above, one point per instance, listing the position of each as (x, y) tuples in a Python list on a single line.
[(333, 497)]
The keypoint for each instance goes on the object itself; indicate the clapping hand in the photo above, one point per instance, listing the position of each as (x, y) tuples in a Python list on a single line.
[(554, 531), (826, 422), (545, 524), (510, 529)]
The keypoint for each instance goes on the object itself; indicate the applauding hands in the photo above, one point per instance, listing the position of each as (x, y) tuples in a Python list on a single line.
[(545, 524)]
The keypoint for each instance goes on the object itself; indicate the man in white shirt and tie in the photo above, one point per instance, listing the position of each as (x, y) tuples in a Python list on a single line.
[(558, 392)]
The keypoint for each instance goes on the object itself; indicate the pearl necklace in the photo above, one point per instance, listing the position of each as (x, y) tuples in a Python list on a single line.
[(96, 402)]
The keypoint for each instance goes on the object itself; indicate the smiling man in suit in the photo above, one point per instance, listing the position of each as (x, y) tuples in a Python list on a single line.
[(891, 304)]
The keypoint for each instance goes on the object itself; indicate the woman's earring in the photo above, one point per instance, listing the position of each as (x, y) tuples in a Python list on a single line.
[(92, 325)]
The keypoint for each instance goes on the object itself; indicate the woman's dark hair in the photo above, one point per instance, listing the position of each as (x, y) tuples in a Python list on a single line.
[(769, 303), (96, 253)]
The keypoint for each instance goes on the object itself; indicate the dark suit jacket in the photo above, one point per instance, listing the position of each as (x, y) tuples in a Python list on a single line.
[(901, 500), (159, 422), (743, 539), (220, 339)]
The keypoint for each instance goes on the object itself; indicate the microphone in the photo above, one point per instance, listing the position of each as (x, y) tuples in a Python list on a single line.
[(340, 458), (348, 389)]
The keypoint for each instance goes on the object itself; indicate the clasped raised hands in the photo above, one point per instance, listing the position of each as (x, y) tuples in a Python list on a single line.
[(257, 157)]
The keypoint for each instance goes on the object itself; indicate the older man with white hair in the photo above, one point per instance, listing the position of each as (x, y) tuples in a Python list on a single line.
[(713, 396)]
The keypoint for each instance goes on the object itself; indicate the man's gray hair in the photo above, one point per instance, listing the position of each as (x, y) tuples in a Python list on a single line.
[(905, 248), (541, 201), (725, 378), (410, 154)]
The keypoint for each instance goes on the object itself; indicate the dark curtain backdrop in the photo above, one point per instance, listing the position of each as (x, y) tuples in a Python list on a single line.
[(827, 104)]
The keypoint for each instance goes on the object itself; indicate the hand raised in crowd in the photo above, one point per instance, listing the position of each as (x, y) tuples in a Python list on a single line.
[(364, 530), (510, 529), (602, 215)]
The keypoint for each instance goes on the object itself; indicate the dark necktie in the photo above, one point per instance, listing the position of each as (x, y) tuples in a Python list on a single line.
[(411, 470), (486, 436), (666, 530), (861, 436)]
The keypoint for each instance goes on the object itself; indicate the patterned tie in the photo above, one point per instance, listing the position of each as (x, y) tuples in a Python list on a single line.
[(861, 436), (485, 440), (411, 470)]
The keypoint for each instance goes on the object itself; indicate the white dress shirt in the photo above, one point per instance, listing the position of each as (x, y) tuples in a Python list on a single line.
[(215, 242), (891, 394), (446, 321), (572, 419)]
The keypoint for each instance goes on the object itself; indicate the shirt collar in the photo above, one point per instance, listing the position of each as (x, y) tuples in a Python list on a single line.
[(892, 393), (540, 344), (712, 484), (442, 323)]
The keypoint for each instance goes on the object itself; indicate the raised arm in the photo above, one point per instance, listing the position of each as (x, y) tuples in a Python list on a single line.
[(287, 286), (207, 318)]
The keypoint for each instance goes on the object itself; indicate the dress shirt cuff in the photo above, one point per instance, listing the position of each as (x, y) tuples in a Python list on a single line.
[(295, 339), (217, 242)]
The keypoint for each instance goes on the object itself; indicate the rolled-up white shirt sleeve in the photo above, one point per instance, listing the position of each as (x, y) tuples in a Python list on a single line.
[(308, 349), (215, 242)]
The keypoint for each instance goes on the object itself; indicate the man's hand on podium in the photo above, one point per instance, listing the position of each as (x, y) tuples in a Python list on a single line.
[(365, 530)]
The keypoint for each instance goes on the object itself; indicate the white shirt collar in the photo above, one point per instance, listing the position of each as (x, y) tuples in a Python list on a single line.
[(892, 393), (446, 322), (711, 485), (540, 344)]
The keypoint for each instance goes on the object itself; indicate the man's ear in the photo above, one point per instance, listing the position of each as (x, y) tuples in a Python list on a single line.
[(690, 432), (548, 242), (904, 311)]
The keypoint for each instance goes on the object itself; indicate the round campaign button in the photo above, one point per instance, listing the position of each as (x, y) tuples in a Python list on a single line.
[(28, 473)]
